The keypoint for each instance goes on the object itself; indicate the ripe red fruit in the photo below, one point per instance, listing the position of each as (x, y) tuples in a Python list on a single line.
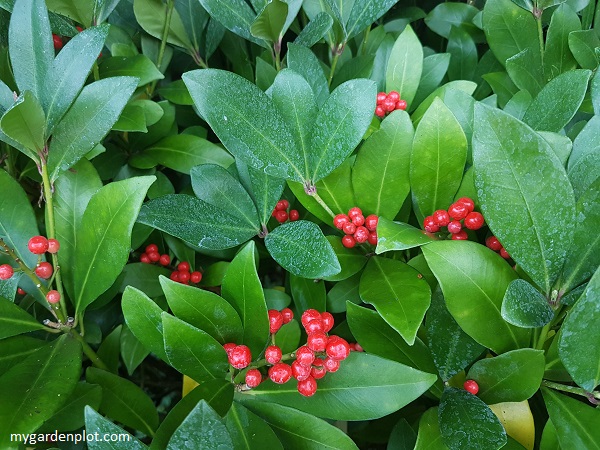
[(493, 243), (458, 211), (308, 315), (21, 291), (184, 277), (275, 321), (460, 236), (195, 277), (327, 320), (401, 104), (183, 266), (44, 270), (354, 212), (153, 256), (287, 315), (371, 222), (144, 258), (380, 112), (358, 220), (175, 275), (273, 354), (361, 235), (504, 253), (229, 347), (430, 225), (282, 205), (372, 238), (468, 202), (79, 29), (253, 378), (381, 96), (358, 347), (152, 248), (474, 221), (340, 220), (305, 356), (441, 217), (6, 271), (454, 227), (280, 373), (394, 96), (389, 105), (331, 365), (307, 387), (38, 245), (53, 297), (314, 325), (318, 370), (240, 357), (348, 241), (471, 386), (349, 228), (57, 41), (281, 216), (53, 246), (317, 341), (164, 260), (299, 371), (337, 348), (294, 215)]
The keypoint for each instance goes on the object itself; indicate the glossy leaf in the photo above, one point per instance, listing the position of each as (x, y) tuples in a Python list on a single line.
[(307, 294), (25, 123), (202, 428), (314, 31), (434, 68), (364, 13), (264, 189), (583, 168), (269, 23), (502, 176), (583, 44), (94, 421), (395, 386), (16, 349), (15, 320), (399, 236), (557, 56), (429, 436), (70, 416), (524, 306), (405, 66), (144, 277), (151, 16), (399, 295), (525, 75), (517, 420), (343, 291), (133, 352), (249, 431), (463, 53), (242, 289), (473, 279), (444, 16), (351, 260), (236, 16), (301, 249), (304, 61)]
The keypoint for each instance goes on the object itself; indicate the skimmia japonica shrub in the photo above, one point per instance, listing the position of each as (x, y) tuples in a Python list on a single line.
[(263, 224)]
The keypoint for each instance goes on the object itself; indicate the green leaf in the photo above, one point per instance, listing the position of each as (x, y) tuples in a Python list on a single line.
[(399, 236), (444, 16), (511, 377), (204, 310), (504, 149), (202, 428), (583, 167), (524, 306), (463, 53), (192, 351), (364, 13), (30, 44), (575, 422), (25, 123), (15, 349), (70, 416), (235, 15), (301, 249), (351, 259), (248, 431), (558, 101), (578, 344), (151, 16), (438, 159), (583, 45), (525, 76), (206, 226), (104, 237), (430, 436), (473, 279), (36, 387), (314, 31), (467, 423), (557, 56), (15, 320), (452, 349), (350, 393), (269, 23), (94, 421), (176, 93), (380, 175), (307, 294), (303, 61), (405, 66), (242, 289), (297, 429), (88, 120), (133, 351), (434, 68), (124, 401), (264, 189), (246, 121), (343, 291), (144, 277), (139, 66), (399, 295), (549, 438), (69, 71)]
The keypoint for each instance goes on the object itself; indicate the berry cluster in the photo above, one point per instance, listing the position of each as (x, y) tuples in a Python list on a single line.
[(493, 243), (181, 274), (280, 212), (357, 228), (471, 386), (461, 210), (386, 103)]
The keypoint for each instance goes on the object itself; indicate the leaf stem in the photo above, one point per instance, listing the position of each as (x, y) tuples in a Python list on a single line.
[(336, 55), (91, 354), (537, 14), (321, 202), (163, 43), (593, 397)]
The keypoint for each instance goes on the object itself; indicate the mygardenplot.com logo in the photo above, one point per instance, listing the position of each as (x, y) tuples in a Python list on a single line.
[(36, 438)]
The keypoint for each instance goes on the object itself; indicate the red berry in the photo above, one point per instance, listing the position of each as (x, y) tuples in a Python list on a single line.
[(358, 220), (389, 105), (401, 104), (340, 220), (454, 227), (53, 246), (175, 275), (358, 347), (281, 216), (318, 370), (273, 354), (493, 243), (229, 347), (57, 41), (196, 277), (314, 325), (371, 222), (144, 258), (294, 215), (299, 371), (327, 320), (280, 373), (282, 205), (379, 112), (441, 217), (349, 228), (348, 241), (394, 96), (275, 321), (331, 365), (307, 387), (287, 315), (458, 211), (38, 245), (152, 248), (53, 297), (474, 221), (6, 271), (183, 266), (253, 378), (240, 357), (153, 256), (430, 225), (361, 234), (468, 202), (79, 29), (354, 212), (317, 341), (372, 238), (471, 386), (504, 253), (44, 270), (184, 277), (460, 236), (164, 260), (21, 291), (381, 96), (308, 315), (337, 348), (305, 356)]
